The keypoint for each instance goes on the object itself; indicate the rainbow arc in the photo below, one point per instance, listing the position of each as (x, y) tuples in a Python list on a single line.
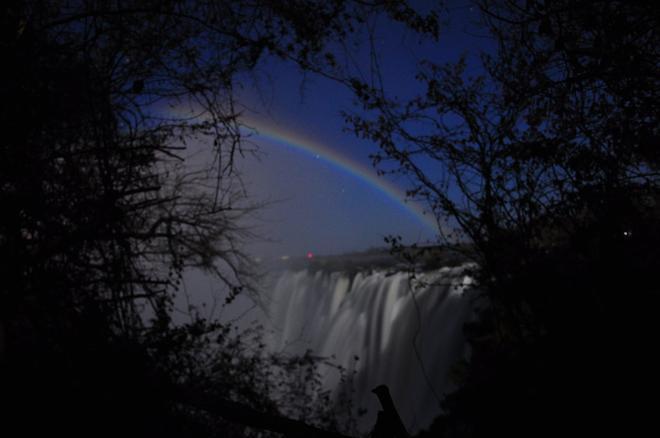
[(363, 173)]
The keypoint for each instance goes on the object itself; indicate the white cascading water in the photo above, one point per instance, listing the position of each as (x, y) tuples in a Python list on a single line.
[(375, 317)]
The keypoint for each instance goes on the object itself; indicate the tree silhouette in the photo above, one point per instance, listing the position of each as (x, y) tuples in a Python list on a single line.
[(546, 163), (101, 213)]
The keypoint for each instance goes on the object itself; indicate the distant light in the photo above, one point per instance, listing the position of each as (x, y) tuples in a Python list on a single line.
[(627, 233), (310, 255), (284, 257)]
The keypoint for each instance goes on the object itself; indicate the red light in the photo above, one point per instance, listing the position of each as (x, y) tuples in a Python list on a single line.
[(310, 255)]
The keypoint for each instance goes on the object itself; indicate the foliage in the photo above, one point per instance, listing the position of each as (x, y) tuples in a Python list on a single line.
[(546, 163), (102, 213), (221, 361)]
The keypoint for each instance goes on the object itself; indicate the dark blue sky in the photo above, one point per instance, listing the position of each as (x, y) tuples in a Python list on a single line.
[(318, 206)]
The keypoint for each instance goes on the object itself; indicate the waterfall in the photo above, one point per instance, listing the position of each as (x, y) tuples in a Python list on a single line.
[(378, 318)]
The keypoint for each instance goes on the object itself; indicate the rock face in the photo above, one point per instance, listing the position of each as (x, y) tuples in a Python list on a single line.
[(390, 330)]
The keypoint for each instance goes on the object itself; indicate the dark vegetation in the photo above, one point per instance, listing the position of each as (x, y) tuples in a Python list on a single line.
[(547, 164), (102, 215), (547, 161)]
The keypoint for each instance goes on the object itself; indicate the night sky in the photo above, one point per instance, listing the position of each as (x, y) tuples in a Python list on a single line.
[(326, 197)]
